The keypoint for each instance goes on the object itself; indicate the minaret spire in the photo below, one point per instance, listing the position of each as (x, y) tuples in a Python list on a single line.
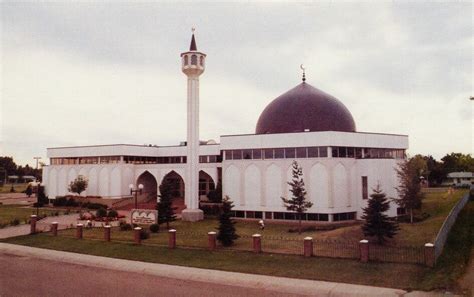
[(193, 46)]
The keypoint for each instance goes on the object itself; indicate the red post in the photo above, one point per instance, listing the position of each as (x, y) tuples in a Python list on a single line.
[(33, 219), (172, 238), (136, 234), (79, 231), (364, 250), (107, 232), (257, 243), (211, 237), (54, 228), (430, 256), (308, 246)]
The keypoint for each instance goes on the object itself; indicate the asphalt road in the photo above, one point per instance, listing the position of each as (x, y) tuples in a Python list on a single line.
[(27, 276)]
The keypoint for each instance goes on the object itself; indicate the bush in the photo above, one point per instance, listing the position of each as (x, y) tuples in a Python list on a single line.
[(112, 213), (59, 201), (144, 234), (72, 202), (125, 226), (101, 212), (15, 222), (154, 228), (211, 209), (38, 204), (95, 205)]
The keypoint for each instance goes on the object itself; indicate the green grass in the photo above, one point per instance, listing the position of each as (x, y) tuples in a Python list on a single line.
[(453, 262), (22, 213), (18, 188), (402, 276)]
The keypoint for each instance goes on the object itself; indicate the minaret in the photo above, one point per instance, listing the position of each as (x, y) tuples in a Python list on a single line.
[(193, 66)]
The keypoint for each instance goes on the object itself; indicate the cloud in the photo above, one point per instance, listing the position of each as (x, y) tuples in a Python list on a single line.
[(94, 73)]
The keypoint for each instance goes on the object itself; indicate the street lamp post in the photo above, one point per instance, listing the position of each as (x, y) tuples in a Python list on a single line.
[(135, 192)]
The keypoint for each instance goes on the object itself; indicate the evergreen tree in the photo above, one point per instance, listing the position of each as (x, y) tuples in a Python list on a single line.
[(377, 223), (409, 188), (297, 202), (226, 234), (165, 205), (216, 194)]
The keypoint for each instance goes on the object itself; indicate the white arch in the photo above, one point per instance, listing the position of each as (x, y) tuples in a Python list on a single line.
[(103, 182), (231, 186), (115, 182), (52, 188), (62, 182), (212, 172), (340, 185), (273, 185), (85, 172), (252, 185), (319, 186), (92, 188), (289, 178), (71, 176)]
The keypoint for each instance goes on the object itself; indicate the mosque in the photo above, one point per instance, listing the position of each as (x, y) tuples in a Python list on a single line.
[(340, 165)]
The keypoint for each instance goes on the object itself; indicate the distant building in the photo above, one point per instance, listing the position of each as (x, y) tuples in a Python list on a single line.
[(460, 179), (340, 165)]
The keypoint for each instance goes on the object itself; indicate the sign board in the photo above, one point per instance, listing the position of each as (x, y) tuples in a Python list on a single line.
[(144, 216)]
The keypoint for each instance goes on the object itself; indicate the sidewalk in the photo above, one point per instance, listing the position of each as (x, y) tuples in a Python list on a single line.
[(42, 225), (271, 283)]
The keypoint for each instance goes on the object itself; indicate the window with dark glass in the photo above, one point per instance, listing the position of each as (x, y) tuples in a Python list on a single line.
[(278, 216), (358, 153), (342, 151), (247, 154), (228, 155), (335, 152), (350, 152), (301, 152), (258, 215), (257, 154), (186, 60), (201, 61), (313, 152), (237, 154), (203, 159), (268, 153), (250, 214), (290, 153), (365, 189), (323, 151), (279, 153), (268, 215)]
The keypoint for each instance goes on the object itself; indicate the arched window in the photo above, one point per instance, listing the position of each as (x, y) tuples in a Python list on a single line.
[(201, 61), (194, 60), (185, 60)]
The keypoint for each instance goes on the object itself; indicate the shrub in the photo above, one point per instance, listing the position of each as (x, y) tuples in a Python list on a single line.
[(124, 226), (154, 228), (38, 204), (144, 234), (112, 213), (15, 222), (72, 202), (101, 212), (59, 201), (96, 206)]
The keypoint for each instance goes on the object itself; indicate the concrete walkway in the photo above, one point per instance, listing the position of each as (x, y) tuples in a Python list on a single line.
[(269, 283), (42, 225)]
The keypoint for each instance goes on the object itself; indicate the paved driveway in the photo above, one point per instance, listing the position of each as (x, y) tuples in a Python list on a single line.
[(42, 225)]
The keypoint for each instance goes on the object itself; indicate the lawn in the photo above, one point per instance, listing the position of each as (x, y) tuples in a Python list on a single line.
[(18, 188), (20, 212)]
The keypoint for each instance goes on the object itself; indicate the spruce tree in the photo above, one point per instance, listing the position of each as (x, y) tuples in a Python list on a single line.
[(377, 223), (226, 234), (165, 204), (297, 202)]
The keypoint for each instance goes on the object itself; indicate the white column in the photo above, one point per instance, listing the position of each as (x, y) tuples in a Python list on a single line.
[(192, 166)]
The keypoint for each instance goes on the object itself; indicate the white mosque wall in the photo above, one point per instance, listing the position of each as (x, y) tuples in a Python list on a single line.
[(111, 180), (334, 185)]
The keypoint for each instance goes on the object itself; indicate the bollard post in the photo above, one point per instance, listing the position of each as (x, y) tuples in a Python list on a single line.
[(257, 243), (172, 238), (308, 246), (136, 235), (107, 232), (54, 228), (430, 256), (364, 250), (211, 237), (79, 231), (33, 219)]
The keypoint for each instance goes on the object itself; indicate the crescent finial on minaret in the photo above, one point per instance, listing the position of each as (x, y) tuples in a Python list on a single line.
[(303, 68)]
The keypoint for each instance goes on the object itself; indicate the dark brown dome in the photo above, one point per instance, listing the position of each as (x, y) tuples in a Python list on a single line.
[(305, 108)]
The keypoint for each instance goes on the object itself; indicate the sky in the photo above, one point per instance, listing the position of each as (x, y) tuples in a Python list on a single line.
[(87, 73)]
